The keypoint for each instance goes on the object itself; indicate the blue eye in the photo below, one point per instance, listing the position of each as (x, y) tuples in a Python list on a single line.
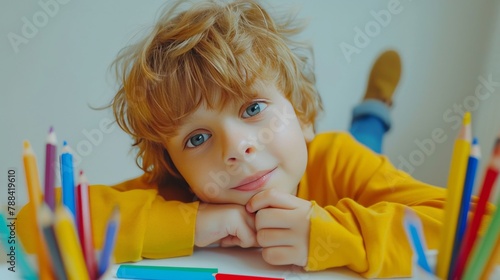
[(197, 140), (254, 109)]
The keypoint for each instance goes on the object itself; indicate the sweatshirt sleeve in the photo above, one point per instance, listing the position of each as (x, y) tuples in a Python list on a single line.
[(360, 225), (150, 226)]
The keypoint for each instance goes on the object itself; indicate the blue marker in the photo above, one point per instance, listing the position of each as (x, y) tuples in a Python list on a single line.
[(68, 179), (165, 272)]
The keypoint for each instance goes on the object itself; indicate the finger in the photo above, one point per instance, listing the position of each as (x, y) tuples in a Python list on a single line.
[(243, 236), (232, 241), (271, 198), (283, 255), (275, 237), (275, 218)]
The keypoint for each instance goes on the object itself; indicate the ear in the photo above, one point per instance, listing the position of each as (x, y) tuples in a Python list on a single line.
[(308, 131)]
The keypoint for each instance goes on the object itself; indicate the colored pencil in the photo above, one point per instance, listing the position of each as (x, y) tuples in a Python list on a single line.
[(31, 173), (164, 272), (67, 240), (84, 224), (46, 222), (456, 178), (483, 249), (35, 198), (50, 169), (68, 179), (225, 276), (414, 232), (493, 261), (472, 164), (495, 162), (109, 242), (471, 232), (10, 244)]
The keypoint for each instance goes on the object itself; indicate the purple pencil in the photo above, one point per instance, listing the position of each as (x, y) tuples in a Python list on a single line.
[(50, 169)]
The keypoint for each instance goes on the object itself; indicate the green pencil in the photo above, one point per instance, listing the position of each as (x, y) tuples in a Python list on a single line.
[(482, 251)]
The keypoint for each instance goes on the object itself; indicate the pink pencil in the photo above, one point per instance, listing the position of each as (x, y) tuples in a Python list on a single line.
[(84, 225), (50, 169)]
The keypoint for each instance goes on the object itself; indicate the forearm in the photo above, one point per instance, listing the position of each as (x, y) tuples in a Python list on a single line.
[(370, 241)]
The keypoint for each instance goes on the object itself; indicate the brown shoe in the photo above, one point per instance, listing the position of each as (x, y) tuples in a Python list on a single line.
[(384, 77)]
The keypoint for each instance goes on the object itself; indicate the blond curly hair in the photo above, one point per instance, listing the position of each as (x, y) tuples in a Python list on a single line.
[(209, 53)]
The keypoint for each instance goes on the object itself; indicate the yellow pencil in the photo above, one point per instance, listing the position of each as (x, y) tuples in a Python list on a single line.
[(456, 178), (35, 198), (67, 239)]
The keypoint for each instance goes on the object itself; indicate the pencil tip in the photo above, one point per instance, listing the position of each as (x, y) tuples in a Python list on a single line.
[(51, 129), (65, 143), (467, 118), (496, 147), (26, 144), (475, 141)]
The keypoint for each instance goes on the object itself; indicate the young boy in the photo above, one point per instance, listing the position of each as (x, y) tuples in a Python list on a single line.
[(221, 103)]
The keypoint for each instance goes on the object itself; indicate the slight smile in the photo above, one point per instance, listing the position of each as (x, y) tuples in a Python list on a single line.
[(255, 182)]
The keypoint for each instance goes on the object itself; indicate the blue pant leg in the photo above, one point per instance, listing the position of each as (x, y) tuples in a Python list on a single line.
[(368, 130), (370, 121)]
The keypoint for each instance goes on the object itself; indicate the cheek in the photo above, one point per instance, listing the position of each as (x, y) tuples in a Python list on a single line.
[(290, 146), (205, 180), (195, 175)]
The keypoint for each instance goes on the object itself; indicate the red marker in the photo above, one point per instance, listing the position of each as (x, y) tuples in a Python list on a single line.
[(224, 276)]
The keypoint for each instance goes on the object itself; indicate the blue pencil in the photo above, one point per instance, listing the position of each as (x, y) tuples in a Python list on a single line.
[(165, 272), (68, 179), (14, 248), (109, 242), (473, 162)]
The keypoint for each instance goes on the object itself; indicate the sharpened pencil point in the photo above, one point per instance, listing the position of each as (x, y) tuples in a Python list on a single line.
[(496, 147), (26, 144), (51, 129), (467, 118)]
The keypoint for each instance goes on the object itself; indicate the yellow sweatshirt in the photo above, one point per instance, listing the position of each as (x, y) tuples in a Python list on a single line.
[(358, 205)]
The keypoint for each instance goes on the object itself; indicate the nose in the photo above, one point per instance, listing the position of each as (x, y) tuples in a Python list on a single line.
[(237, 147)]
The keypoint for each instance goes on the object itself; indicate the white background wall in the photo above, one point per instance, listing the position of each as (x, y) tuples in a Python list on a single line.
[(62, 68)]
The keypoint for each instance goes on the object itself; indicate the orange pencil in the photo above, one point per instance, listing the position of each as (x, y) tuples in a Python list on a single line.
[(35, 196), (456, 178)]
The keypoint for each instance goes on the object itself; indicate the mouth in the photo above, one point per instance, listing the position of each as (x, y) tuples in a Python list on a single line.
[(255, 182)]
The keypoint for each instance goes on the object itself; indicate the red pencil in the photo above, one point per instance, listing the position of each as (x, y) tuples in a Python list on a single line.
[(484, 195), (84, 225), (50, 169), (224, 276)]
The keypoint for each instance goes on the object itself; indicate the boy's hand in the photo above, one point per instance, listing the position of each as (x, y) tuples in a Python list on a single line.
[(229, 224), (282, 224)]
